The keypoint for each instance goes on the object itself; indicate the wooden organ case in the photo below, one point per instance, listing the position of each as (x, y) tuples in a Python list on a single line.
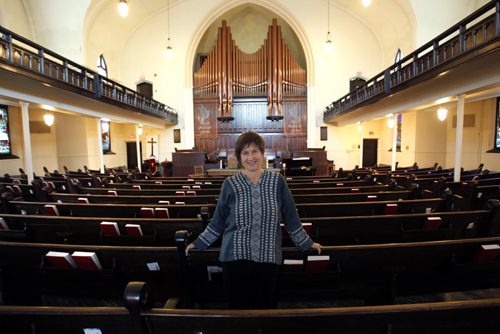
[(265, 91)]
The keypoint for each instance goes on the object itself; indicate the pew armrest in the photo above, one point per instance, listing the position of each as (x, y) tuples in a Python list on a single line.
[(136, 296)]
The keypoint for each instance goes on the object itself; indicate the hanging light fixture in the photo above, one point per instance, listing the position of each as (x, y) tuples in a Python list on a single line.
[(328, 43), (366, 3), (48, 119), (169, 52), (441, 113), (123, 8)]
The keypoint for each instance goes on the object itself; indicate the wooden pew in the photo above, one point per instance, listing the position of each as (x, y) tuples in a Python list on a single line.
[(27, 277), (469, 316), (158, 189), (67, 319), (87, 230), (307, 210), (209, 199), (123, 210), (140, 317), (401, 227), (326, 230), (377, 273)]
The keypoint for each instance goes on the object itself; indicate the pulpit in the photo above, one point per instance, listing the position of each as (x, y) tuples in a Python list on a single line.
[(183, 162)]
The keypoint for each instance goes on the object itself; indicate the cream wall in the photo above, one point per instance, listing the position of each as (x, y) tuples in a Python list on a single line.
[(430, 144), (477, 140), (13, 16), (43, 146)]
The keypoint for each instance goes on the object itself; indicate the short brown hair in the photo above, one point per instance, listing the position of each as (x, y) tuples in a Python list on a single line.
[(246, 139)]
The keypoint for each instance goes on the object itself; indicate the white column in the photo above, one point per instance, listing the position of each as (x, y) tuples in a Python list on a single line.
[(360, 131), (138, 147), (28, 157), (394, 141), (99, 143), (459, 137)]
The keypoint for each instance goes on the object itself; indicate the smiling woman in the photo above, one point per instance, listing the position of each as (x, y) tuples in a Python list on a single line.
[(250, 209)]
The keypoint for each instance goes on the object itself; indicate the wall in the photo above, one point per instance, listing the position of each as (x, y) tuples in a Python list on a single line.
[(477, 140), (430, 144), (72, 147)]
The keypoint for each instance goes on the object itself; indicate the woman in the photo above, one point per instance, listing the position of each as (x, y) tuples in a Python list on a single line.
[(250, 208)]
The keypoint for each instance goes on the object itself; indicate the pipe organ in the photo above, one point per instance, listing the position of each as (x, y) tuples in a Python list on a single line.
[(265, 91)]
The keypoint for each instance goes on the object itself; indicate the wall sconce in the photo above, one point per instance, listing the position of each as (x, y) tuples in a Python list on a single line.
[(139, 130), (360, 127), (123, 8), (390, 121), (48, 119), (442, 112)]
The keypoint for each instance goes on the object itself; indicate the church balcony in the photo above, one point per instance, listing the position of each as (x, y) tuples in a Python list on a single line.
[(25, 61), (468, 53)]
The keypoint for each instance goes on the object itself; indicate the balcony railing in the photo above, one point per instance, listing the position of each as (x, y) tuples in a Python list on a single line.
[(24, 56), (473, 33)]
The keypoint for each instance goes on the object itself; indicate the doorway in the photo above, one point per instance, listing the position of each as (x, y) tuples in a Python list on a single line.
[(370, 147), (132, 154)]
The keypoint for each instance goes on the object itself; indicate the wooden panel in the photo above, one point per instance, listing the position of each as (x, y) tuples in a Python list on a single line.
[(183, 162)]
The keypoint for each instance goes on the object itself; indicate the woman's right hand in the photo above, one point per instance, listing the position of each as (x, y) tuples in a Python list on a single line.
[(189, 247)]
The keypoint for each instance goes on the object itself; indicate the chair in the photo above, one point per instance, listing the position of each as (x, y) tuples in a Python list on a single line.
[(199, 170)]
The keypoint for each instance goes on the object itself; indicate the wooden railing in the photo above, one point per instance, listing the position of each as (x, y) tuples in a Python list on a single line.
[(476, 31), (26, 57)]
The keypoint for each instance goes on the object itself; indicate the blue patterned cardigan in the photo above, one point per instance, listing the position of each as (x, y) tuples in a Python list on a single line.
[(248, 217)]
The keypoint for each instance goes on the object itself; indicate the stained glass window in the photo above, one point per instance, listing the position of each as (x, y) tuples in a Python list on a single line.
[(497, 128), (5, 144)]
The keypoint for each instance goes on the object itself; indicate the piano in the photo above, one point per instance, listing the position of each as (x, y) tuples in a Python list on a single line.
[(299, 167)]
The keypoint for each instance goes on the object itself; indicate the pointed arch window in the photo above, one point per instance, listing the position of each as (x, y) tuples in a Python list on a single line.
[(102, 68)]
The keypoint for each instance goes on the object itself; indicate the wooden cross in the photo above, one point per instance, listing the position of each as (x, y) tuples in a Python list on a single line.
[(152, 142)]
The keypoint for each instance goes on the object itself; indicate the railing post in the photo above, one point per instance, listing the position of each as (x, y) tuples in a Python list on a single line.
[(497, 17), (9, 41), (387, 81), (65, 73), (85, 80), (97, 85), (461, 38), (435, 54)]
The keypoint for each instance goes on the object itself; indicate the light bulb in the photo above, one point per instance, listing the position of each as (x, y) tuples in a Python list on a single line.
[(366, 3), (169, 52), (442, 112), (390, 123), (48, 119), (123, 8)]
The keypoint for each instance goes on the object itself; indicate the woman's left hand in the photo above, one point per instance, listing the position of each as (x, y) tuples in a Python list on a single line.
[(317, 247)]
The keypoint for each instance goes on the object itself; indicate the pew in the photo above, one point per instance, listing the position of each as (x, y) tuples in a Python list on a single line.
[(377, 273), (139, 316), (211, 199), (401, 227), (63, 197), (305, 210), (88, 231), (28, 279), (115, 210)]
